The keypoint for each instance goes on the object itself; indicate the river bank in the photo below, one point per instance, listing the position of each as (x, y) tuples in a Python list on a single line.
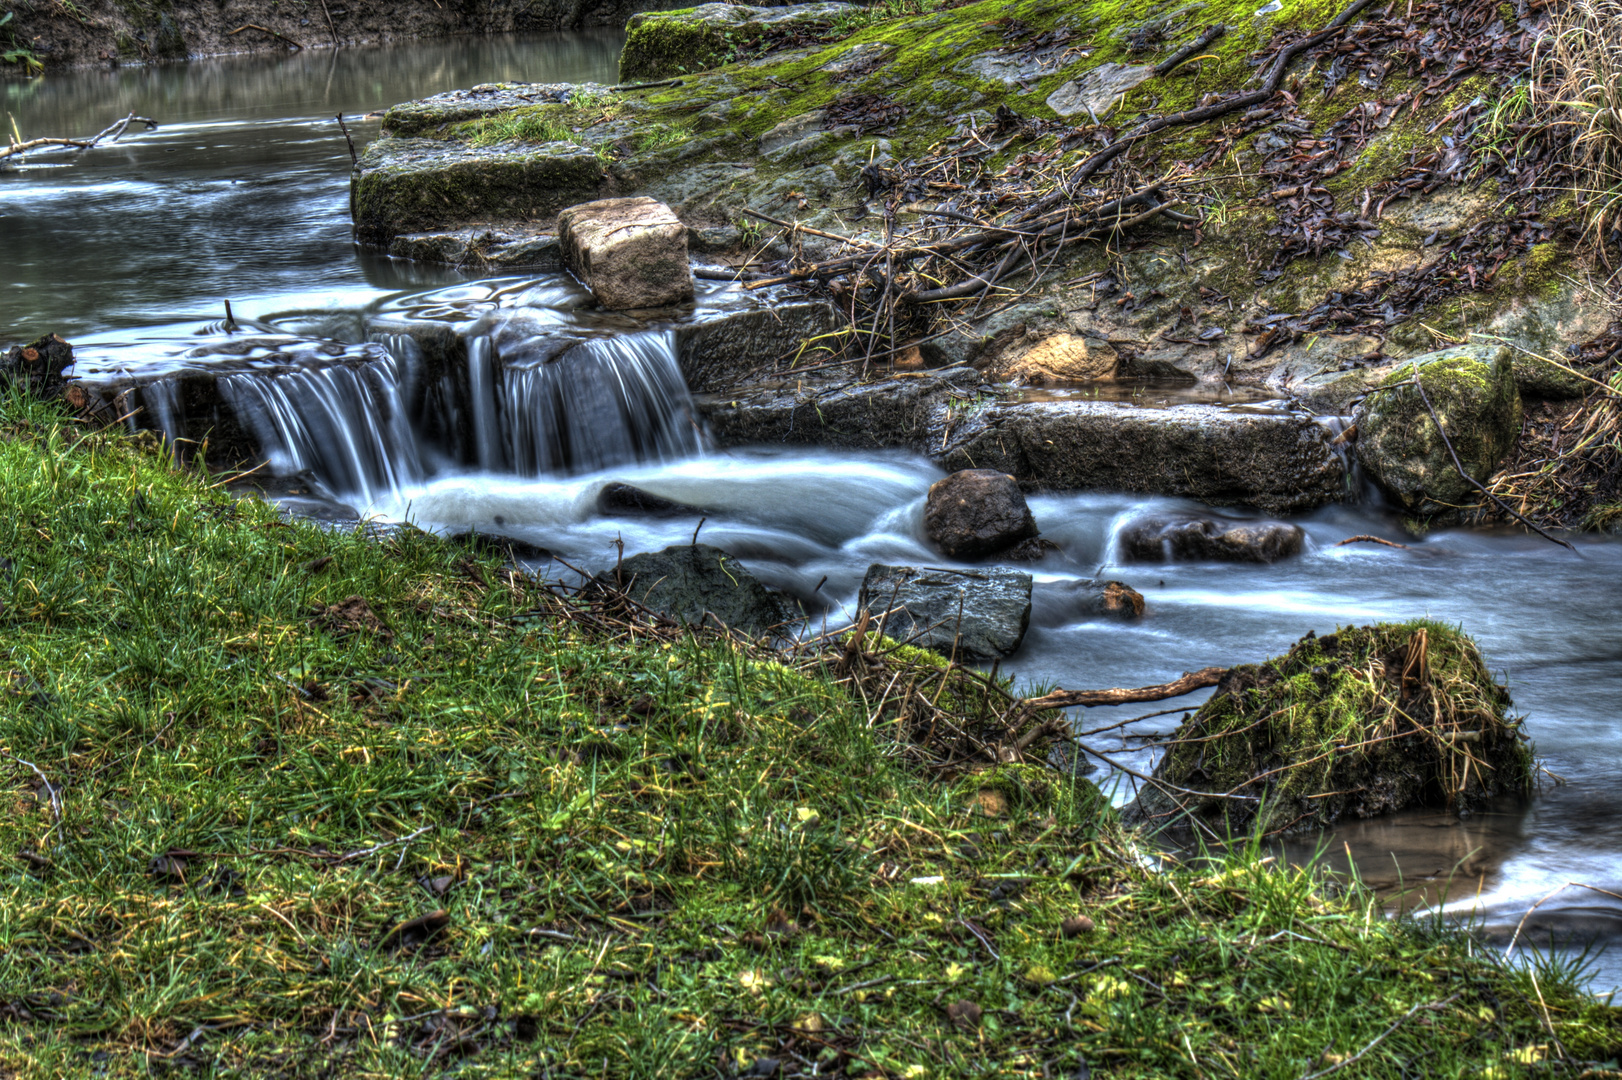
[(53, 36), (444, 825)]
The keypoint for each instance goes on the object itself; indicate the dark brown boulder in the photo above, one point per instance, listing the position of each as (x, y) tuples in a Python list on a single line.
[(977, 512), (619, 498), (1202, 540)]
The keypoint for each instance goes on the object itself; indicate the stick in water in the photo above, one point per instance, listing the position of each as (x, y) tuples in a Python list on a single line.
[(353, 159)]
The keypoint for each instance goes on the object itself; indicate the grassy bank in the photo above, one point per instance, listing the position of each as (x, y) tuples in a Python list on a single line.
[(275, 831)]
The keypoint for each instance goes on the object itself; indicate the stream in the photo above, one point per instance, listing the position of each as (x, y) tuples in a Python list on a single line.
[(242, 194)]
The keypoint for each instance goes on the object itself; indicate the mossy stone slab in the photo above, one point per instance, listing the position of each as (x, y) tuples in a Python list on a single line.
[(423, 185)]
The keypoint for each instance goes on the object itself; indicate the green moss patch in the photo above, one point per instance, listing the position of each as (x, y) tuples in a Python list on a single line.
[(1361, 722)]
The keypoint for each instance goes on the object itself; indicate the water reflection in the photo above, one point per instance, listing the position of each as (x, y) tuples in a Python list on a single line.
[(241, 194)]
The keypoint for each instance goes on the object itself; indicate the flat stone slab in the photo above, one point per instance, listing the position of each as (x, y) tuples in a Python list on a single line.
[(663, 43), (1280, 462), (980, 614), (487, 99), (631, 253), (422, 185), (1096, 90)]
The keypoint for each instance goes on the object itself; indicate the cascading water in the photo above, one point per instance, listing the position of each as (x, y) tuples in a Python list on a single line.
[(346, 424), (605, 402)]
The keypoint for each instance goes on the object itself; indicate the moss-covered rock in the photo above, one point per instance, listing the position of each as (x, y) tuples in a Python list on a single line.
[(659, 44), (1472, 390), (418, 185), (1362, 722)]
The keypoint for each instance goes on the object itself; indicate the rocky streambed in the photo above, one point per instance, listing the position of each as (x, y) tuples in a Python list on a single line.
[(817, 478)]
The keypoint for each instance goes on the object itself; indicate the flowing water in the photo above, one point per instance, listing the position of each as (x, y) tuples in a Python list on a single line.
[(335, 373)]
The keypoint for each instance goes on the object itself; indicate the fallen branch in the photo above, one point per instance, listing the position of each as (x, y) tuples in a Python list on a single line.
[(52, 793), (111, 133), (1190, 682), (265, 30), (1365, 538), (1172, 62)]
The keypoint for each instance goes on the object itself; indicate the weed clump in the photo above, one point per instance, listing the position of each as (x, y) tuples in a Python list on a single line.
[(1362, 722)]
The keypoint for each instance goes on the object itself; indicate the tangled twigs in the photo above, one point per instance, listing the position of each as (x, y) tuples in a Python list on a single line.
[(1200, 114), (110, 134), (1458, 465)]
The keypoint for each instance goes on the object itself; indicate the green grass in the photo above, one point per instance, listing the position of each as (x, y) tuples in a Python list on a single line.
[(520, 126), (654, 858)]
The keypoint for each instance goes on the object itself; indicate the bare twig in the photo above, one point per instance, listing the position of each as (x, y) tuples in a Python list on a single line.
[(1457, 464), (265, 30), (1378, 1039)]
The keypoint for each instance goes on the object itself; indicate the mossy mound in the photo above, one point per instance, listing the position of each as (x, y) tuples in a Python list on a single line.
[(1477, 411), (1362, 722)]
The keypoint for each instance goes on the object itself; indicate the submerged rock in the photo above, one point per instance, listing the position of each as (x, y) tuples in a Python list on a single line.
[(1059, 603), (631, 253), (620, 498), (697, 584), (1472, 390), (1365, 721), (977, 512), (976, 614), (1160, 540)]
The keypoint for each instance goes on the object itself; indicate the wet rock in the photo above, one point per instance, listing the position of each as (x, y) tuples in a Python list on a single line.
[(1282, 463), (423, 185), (977, 512), (1417, 718), (625, 499), (978, 614), (1472, 390), (1204, 540), (719, 354), (508, 547), (892, 413), (1059, 603), (37, 366), (1033, 550), (697, 584), (660, 44), (794, 130), (481, 248), (631, 253)]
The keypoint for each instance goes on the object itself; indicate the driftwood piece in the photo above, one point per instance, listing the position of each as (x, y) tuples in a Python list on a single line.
[(111, 134), (1191, 681)]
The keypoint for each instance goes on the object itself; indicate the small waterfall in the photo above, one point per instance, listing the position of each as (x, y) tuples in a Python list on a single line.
[(603, 402), (160, 402), (346, 423), (486, 420)]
